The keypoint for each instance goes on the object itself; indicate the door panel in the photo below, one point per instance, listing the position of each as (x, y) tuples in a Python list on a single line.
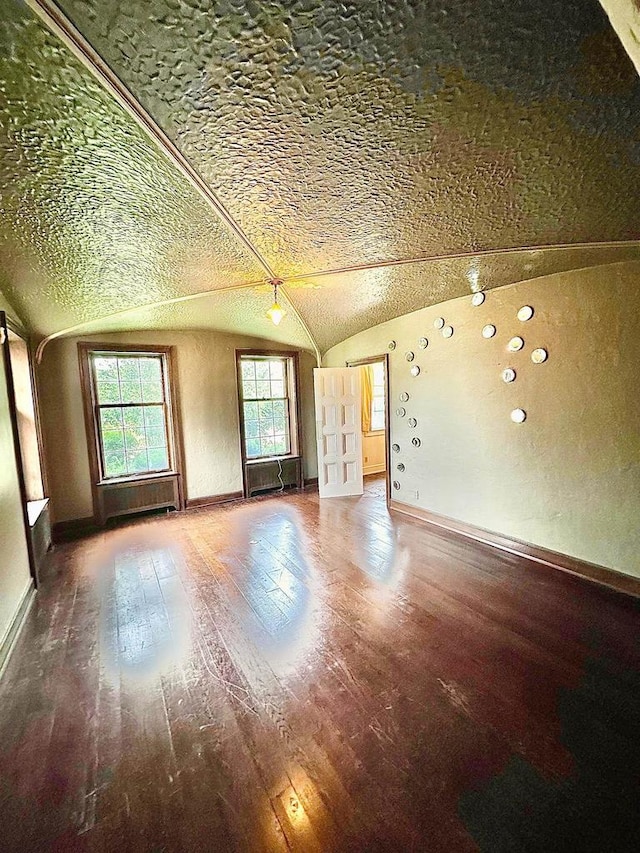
[(338, 431)]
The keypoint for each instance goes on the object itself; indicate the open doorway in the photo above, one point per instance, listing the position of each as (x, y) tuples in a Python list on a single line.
[(375, 420)]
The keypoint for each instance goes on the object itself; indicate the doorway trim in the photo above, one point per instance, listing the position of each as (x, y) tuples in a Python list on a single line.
[(13, 417), (384, 358)]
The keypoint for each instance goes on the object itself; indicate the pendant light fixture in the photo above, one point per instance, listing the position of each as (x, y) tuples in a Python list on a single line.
[(276, 312)]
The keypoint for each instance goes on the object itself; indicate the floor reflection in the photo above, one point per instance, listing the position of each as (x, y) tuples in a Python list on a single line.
[(280, 584), (145, 615), (372, 546)]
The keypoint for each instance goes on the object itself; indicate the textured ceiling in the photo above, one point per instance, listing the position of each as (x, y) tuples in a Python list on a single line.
[(337, 306), (348, 132), (335, 133), (346, 304), (94, 218), (241, 311)]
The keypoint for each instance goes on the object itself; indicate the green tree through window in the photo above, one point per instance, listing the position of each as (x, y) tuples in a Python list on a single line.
[(266, 404), (130, 395)]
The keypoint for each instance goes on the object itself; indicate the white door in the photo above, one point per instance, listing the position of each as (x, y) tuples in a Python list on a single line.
[(338, 430)]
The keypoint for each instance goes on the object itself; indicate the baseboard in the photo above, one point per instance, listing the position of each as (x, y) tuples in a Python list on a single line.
[(311, 481), (374, 469), (12, 633), (210, 500), (563, 562), (63, 531)]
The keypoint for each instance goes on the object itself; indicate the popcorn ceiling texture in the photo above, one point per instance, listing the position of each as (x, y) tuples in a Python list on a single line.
[(240, 312), (341, 133), (346, 304), (335, 133), (95, 219)]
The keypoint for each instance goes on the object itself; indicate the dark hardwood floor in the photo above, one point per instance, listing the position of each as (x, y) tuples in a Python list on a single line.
[(317, 676)]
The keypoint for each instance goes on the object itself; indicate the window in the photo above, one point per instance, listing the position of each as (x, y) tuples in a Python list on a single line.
[(378, 397), (267, 399), (25, 403), (129, 392)]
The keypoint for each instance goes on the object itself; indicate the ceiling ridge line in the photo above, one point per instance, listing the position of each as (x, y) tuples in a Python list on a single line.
[(62, 27), (303, 323), (302, 276), (605, 244), (159, 304)]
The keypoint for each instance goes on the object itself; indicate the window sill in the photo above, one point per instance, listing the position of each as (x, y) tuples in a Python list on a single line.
[(136, 478), (35, 510), (271, 459)]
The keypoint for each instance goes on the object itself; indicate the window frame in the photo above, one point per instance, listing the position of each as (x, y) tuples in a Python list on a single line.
[(292, 373), (86, 353), (380, 429)]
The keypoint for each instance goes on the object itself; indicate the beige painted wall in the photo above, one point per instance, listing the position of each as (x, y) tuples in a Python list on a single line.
[(567, 479), (208, 394), (373, 453), (14, 561)]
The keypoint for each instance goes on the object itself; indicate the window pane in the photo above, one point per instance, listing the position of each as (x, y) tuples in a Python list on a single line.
[(134, 434), (378, 401), (250, 411), (154, 416), (156, 438), (111, 418), (253, 447), (265, 410), (152, 392), (113, 440), (378, 373), (150, 369), (158, 459), (131, 392), (248, 369), (108, 392), (268, 446), (279, 408), (276, 369), (277, 389), (249, 390), (263, 390), (262, 370), (114, 464), (266, 427), (137, 461), (129, 369), (280, 425), (133, 418), (377, 420), (280, 444), (106, 369), (251, 429)]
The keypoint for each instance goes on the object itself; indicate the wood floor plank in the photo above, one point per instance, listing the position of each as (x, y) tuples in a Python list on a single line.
[(296, 674)]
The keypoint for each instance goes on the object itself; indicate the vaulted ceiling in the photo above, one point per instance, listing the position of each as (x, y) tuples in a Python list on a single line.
[(175, 149)]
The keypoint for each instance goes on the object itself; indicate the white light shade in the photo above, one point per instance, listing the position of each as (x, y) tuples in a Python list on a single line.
[(276, 313)]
